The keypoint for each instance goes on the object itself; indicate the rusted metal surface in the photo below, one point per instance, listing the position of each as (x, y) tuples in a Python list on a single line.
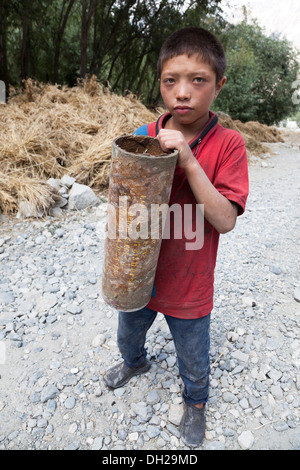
[(140, 174)]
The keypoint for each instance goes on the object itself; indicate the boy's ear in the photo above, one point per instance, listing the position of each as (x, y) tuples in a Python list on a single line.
[(220, 86)]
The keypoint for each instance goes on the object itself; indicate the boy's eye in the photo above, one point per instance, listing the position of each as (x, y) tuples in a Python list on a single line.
[(169, 81), (198, 79)]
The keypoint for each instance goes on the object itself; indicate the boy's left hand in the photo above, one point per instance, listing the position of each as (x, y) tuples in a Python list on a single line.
[(170, 139)]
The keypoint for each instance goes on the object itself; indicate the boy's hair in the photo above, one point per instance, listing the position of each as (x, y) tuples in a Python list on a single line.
[(192, 40)]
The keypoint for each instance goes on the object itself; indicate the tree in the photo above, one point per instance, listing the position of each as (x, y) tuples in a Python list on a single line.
[(238, 98), (261, 70), (118, 40), (4, 76), (88, 10), (63, 19)]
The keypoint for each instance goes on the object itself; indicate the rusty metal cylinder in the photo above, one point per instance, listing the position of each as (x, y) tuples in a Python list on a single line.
[(141, 177)]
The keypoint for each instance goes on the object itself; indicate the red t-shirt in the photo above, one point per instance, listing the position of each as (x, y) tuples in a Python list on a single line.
[(184, 281)]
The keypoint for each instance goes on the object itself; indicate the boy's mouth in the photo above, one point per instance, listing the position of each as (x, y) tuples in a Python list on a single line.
[(182, 109)]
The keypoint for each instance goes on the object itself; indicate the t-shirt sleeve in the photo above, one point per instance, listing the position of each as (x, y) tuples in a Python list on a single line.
[(231, 178), (143, 130)]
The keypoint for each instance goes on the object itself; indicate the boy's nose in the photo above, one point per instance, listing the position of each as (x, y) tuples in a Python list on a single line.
[(182, 92)]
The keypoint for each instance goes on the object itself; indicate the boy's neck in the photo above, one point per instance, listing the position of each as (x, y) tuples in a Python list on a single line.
[(189, 131)]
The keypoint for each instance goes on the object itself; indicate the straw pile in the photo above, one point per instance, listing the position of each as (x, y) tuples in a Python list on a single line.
[(255, 134), (48, 131)]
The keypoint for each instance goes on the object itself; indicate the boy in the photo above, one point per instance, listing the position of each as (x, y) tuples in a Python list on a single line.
[(211, 170)]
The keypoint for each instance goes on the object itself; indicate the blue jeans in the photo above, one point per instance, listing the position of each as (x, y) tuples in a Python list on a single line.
[(191, 339)]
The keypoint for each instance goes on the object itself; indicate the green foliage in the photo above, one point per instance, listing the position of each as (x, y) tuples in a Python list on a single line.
[(260, 74), (119, 41), (237, 97), (296, 117)]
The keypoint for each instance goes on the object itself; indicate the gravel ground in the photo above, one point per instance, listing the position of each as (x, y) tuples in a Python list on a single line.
[(57, 336)]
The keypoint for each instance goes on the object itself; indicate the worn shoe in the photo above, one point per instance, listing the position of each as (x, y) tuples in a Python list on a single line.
[(120, 374), (192, 425)]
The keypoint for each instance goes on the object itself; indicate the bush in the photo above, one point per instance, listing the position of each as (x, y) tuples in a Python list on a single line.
[(260, 74)]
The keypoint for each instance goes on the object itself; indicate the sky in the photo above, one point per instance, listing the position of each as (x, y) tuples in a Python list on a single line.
[(276, 16)]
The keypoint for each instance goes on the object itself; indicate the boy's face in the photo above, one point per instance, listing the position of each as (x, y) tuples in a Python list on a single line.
[(188, 88)]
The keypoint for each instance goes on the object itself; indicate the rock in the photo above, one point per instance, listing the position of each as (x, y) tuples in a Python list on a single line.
[(49, 393), (6, 298), (275, 375), (152, 431), (62, 202), (246, 440), (281, 426), (171, 361), (81, 197), (67, 181), (215, 445), (56, 212), (73, 446), (275, 270), (69, 380), (74, 309), (59, 233), (175, 414), (40, 240), (3, 240), (98, 443), (133, 436), (153, 398), (254, 402), (73, 428), (228, 397), (98, 340), (35, 397), (70, 403), (54, 182), (46, 302), (239, 356), (119, 392), (248, 301), (25, 307), (140, 409), (277, 392), (297, 294), (92, 279)]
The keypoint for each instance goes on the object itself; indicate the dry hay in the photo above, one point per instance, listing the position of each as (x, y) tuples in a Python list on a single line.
[(35, 194), (254, 133), (50, 130)]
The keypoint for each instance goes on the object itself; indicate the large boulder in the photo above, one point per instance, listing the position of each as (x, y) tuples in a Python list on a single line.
[(81, 196)]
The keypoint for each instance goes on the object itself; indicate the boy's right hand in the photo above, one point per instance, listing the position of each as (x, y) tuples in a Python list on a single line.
[(170, 139)]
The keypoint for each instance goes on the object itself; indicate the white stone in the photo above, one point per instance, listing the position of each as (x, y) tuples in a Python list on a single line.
[(248, 301), (240, 356), (171, 361), (46, 302), (133, 436), (73, 428), (297, 294), (246, 440), (68, 181), (98, 443), (98, 340), (175, 414), (140, 409), (54, 182), (81, 197)]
